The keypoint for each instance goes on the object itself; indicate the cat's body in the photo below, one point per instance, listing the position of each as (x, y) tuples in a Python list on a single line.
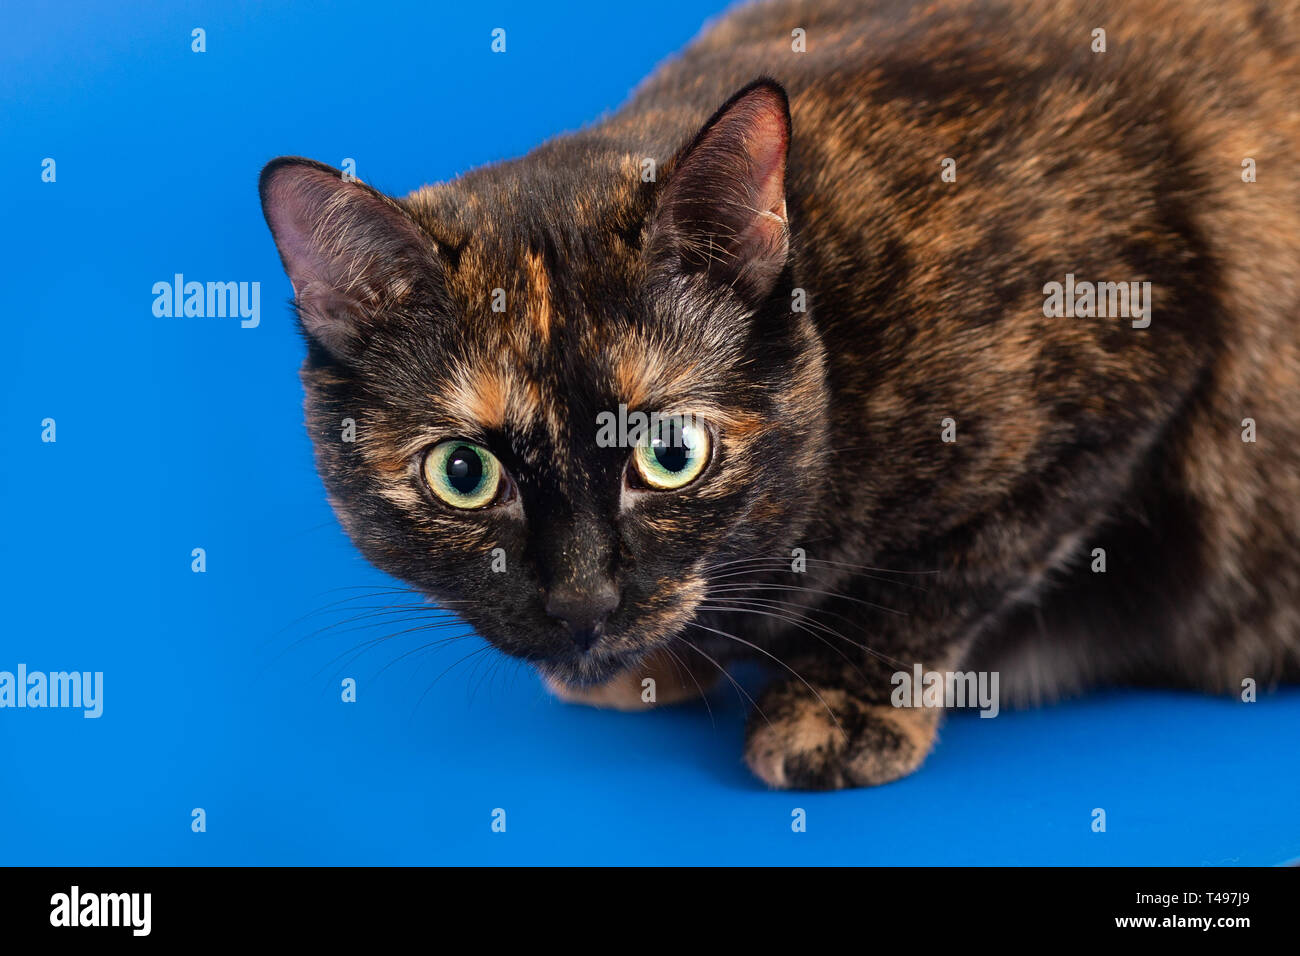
[(947, 458)]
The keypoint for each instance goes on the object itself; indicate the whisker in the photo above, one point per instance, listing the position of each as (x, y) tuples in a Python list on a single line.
[(679, 665), (369, 622), (783, 664), (370, 593), (723, 671), (728, 588), (803, 609), (366, 645), (474, 670), (788, 608), (441, 640), (787, 620), (417, 610), (785, 566), (786, 560), (485, 647)]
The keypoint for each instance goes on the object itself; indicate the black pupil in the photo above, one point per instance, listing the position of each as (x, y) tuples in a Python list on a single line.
[(464, 470), (670, 448)]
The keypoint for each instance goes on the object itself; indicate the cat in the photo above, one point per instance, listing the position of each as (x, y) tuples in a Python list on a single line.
[(818, 251)]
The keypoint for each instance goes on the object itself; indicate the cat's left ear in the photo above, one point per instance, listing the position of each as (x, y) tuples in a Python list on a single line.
[(351, 253), (722, 212)]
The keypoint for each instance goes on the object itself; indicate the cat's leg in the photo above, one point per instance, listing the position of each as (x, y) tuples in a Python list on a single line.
[(832, 728), (672, 681)]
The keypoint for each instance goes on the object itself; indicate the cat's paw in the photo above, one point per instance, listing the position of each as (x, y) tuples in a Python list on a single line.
[(657, 681), (794, 743)]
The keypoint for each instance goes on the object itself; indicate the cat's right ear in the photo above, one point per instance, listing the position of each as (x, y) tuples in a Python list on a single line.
[(350, 251), (723, 212)]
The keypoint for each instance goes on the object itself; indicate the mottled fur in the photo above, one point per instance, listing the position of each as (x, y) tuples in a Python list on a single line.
[(926, 303)]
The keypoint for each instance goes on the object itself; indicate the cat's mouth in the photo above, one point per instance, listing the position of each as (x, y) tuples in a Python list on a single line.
[(615, 655), (646, 625), (662, 619)]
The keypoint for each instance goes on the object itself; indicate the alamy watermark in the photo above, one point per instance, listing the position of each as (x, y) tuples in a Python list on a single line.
[(946, 689), (36, 689), (210, 300), (1101, 300), (624, 429), (75, 908)]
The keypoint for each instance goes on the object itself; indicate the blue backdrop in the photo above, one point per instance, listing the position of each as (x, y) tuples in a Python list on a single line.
[(183, 433)]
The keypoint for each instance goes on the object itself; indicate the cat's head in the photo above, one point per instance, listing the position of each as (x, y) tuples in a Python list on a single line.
[(478, 354)]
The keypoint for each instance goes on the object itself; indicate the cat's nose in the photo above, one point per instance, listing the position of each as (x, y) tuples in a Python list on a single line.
[(583, 611)]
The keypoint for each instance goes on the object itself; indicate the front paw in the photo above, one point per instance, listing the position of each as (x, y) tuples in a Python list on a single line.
[(830, 740)]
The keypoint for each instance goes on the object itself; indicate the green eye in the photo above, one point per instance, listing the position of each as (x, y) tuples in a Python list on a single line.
[(462, 474), (674, 454)]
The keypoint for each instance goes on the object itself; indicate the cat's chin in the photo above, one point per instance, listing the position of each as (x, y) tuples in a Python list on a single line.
[(587, 669)]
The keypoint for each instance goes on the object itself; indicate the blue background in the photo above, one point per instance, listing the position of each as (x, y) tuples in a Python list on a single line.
[(182, 433)]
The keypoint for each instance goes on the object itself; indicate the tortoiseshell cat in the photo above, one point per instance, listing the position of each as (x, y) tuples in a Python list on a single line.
[(881, 445)]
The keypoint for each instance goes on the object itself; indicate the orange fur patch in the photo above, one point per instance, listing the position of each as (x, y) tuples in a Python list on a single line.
[(537, 297)]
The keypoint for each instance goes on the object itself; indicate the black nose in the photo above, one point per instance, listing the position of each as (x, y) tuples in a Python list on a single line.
[(583, 611)]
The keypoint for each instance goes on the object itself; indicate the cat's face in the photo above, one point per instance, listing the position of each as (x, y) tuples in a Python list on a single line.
[(500, 343)]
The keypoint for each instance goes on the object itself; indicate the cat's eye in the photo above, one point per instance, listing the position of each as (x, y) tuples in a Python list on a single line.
[(463, 474), (673, 454)]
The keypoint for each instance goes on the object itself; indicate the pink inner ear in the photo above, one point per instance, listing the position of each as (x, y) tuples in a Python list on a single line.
[(767, 140), (298, 198), (350, 253), (724, 208)]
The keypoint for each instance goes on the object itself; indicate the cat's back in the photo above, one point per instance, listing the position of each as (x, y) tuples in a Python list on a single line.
[(1154, 141), (1213, 70), (1036, 101), (1189, 44)]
